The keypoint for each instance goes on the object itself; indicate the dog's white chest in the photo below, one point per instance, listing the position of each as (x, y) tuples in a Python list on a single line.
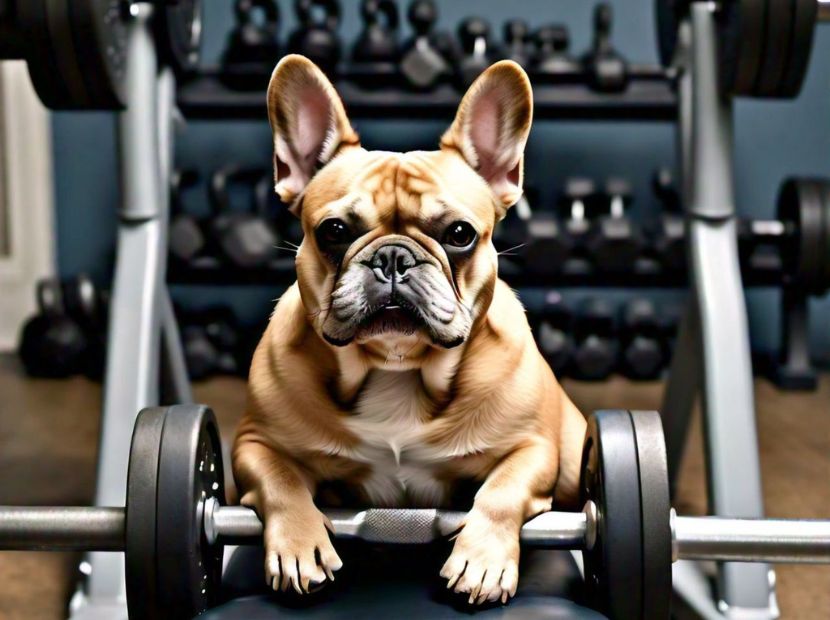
[(390, 417)]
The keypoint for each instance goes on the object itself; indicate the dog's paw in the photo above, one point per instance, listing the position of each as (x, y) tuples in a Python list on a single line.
[(484, 562), (299, 555)]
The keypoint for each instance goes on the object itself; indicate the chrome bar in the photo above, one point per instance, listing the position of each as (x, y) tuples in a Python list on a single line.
[(751, 540), (51, 528), (56, 528)]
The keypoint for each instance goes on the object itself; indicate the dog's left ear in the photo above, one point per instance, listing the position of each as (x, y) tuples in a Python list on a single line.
[(308, 121), (491, 129)]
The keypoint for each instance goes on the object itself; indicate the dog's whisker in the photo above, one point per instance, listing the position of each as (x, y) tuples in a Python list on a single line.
[(515, 247)]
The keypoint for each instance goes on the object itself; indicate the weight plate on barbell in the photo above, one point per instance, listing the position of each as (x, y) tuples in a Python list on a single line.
[(610, 478), (77, 56), (655, 510), (668, 15), (776, 47), (805, 13), (800, 201), (54, 87), (823, 283), (99, 29), (189, 570), (179, 34), (140, 526), (741, 32)]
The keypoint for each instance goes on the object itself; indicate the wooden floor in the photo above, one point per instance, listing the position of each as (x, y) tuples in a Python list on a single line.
[(49, 433)]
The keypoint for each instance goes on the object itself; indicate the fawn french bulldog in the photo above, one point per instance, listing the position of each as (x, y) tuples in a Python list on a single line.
[(399, 364)]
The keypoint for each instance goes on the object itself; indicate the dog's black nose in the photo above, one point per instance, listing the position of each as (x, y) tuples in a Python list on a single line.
[(392, 260)]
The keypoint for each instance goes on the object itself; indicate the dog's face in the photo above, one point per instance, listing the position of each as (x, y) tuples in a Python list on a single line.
[(397, 246)]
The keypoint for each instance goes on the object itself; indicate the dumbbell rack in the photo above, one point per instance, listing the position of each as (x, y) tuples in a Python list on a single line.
[(143, 337)]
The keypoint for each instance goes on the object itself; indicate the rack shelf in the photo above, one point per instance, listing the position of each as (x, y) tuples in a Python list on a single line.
[(650, 95), (647, 274)]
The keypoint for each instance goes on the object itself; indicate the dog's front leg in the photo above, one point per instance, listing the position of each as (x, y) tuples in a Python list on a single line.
[(485, 559), (298, 550)]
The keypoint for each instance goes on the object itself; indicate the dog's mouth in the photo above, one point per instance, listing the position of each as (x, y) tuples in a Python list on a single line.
[(394, 318)]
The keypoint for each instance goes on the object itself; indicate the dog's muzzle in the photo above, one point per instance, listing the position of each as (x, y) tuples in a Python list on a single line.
[(396, 286)]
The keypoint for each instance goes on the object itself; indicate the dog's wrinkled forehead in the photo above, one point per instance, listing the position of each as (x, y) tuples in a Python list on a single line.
[(398, 191)]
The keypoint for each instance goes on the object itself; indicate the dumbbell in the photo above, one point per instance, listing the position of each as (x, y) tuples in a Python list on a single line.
[(378, 41), (316, 35), (186, 239), (668, 234), (595, 335), (253, 45), (576, 204), (477, 50), (606, 70), (423, 65), (552, 323), (552, 60), (210, 338), (245, 238), (175, 523), (642, 351), (614, 242), (222, 330), (52, 343), (517, 44)]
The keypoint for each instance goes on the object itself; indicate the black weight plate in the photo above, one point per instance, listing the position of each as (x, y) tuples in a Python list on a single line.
[(655, 511), (140, 536), (801, 45), (668, 14), (179, 34), (800, 202), (100, 33), (823, 283), (190, 471), (610, 478), (53, 87), (741, 31), (776, 47)]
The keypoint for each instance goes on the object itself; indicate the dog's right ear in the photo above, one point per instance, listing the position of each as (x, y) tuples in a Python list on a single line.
[(308, 122)]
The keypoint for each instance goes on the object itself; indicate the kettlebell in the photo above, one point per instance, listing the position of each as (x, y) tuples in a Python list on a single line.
[(316, 36), (378, 42), (517, 41), (478, 53), (253, 45), (246, 238), (84, 304), (52, 344)]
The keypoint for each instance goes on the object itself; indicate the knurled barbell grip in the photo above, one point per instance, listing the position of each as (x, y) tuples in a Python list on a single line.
[(565, 530)]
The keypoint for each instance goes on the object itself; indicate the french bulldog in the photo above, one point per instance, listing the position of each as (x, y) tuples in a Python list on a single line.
[(398, 364)]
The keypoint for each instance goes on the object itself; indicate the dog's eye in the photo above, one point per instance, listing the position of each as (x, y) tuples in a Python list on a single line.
[(459, 235), (333, 232)]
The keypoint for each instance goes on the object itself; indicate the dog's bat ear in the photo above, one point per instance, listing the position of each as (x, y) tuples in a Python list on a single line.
[(491, 128), (308, 122)]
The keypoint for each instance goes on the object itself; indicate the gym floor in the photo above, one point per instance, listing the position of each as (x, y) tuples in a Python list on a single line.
[(50, 432)]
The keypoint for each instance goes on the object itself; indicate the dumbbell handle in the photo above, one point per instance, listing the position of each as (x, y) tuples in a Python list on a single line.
[(698, 538)]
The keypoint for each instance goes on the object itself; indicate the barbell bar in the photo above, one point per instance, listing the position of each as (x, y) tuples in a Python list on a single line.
[(693, 538)]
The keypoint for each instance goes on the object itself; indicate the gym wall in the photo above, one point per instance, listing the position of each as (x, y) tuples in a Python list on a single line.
[(773, 140)]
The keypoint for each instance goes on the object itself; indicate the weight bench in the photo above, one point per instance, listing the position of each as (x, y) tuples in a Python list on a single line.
[(400, 581)]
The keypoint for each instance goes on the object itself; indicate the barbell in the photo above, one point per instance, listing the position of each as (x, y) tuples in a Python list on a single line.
[(764, 45), (76, 50), (175, 524)]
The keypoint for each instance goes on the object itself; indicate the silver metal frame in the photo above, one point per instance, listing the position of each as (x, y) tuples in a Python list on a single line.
[(141, 307), (713, 352)]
